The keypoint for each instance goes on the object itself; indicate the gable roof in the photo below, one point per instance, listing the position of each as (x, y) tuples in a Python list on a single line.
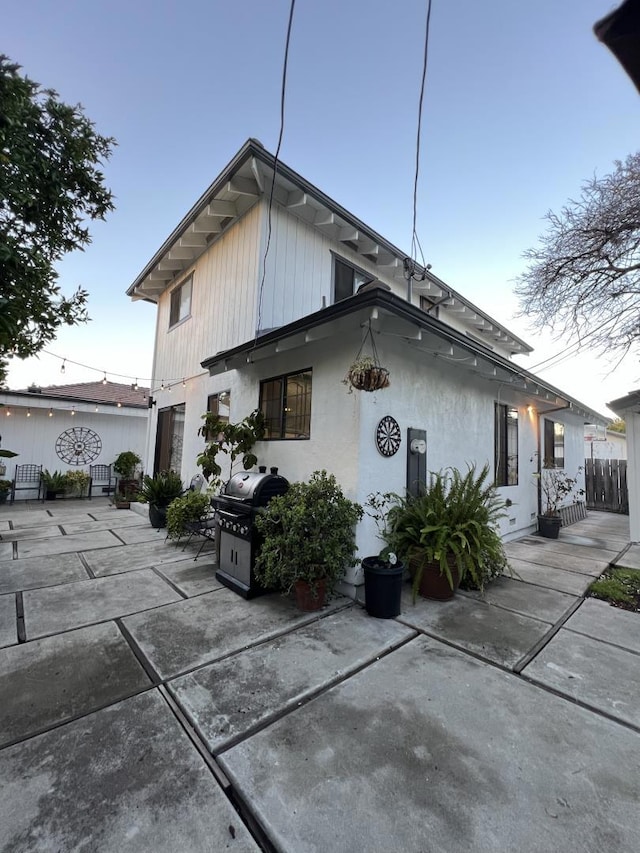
[(93, 392), (242, 183)]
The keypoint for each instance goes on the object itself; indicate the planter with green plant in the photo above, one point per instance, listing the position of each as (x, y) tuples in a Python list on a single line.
[(228, 439), (77, 483), (448, 533), (5, 489), (308, 539), (555, 488), (159, 492), (185, 512), (365, 374), (55, 483), (384, 572), (125, 465)]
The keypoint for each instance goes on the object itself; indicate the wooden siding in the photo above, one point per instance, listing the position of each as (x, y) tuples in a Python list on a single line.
[(606, 485), (223, 307)]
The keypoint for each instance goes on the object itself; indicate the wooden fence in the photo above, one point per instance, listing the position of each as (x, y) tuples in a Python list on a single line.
[(606, 485)]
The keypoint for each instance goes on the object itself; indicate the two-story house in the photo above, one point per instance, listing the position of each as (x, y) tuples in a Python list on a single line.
[(232, 337)]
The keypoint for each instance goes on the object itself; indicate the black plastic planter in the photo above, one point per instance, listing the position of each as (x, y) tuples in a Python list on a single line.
[(382, 588), (549, 526)]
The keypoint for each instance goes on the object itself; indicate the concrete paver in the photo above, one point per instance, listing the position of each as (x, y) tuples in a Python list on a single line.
[(493, 633), (6, 550), (182, 636), (549, 605), (542, 556), (104, 522), (192, 577), (8, 621), (596, 673), (33, 572), (45, 532), (124, 778), (60, 608), (598, 619), (429, 749), (67, 544), (52, 680), (630, 559), (228, 698), (33, 518), (572, 583), (144, 532), (570, 549), (127, 558)]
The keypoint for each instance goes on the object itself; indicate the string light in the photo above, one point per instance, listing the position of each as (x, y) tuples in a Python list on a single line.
[(104, 381), (184, 383), (162, 385), (62, 366), (50, 413), (28, 413), (8, 412), (135, 385), (119, 404), (73, 411), (96, 409)]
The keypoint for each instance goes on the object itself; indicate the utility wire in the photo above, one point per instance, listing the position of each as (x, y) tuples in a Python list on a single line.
[(283, 91), (573, 349)]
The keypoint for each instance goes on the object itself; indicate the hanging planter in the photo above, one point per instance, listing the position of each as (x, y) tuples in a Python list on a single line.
[(366, 373)]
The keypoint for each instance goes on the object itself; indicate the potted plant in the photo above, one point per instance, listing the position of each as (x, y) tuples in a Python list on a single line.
[(309, 539), (365, 374), (77, 483), (234, 440), (449, 531), (5, 488), (159, 492), (185, 512), (121, 501), (125, 465), (555, 487), (54, 484), (383, 573)]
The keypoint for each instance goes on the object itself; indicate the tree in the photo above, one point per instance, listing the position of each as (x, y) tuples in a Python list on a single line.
[(50, 185), (618, 425), (583, 281)]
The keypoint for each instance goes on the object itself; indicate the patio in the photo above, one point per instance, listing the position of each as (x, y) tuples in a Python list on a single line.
[(146, 707)]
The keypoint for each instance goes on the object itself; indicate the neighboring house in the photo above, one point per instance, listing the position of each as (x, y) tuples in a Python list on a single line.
[(629, 408), (604, 443), (230, 340), (71, 427)]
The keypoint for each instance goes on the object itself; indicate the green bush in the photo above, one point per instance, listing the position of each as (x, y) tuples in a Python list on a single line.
[(184, 511)]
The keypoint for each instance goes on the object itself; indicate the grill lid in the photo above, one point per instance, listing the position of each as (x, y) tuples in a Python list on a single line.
[(245, 485)]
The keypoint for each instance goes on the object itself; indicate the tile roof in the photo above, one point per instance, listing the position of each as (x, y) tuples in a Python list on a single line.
[(95, 392)]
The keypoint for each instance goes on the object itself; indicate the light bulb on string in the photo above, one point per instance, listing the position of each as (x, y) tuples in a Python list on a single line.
[(96, 409), (73, 411), (62, 365), (135, 385), (162, 385), (104, 381), (119, 404), (28, 413), (184, 384), (50, 413)]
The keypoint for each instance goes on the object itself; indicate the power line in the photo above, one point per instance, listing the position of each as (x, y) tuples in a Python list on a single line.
[(283, 90)]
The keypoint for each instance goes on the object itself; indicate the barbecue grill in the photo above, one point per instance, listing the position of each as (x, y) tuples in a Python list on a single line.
[(236, 509)]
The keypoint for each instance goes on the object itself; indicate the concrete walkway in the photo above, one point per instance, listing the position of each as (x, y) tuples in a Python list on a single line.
[(147, 708)]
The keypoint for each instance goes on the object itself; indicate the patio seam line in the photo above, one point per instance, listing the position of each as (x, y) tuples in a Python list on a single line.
[(86, 566), (14, 550), (553, 588), (20, 626), (601, 640), (140, 656), (309, 696), (113, 533), (61, 529), (556, 568), (53, 726), (535, 650), (170, 583)]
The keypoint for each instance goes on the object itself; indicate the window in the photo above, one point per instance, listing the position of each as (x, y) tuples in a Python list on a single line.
[(285, 402), (506, 450), (553, 444), (347, 279), (220, 405), (180, 302), (169, 436)]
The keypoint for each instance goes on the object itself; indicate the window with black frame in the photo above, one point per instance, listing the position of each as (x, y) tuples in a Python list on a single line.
[(285, 402), (553, 444), (347, 279), (180, 307), (506, 445)]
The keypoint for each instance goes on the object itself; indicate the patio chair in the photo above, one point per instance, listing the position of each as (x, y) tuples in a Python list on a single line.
[(27, 478), (102, 477)]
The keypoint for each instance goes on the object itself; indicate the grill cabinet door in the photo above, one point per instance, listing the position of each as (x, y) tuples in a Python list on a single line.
[(235, 557)]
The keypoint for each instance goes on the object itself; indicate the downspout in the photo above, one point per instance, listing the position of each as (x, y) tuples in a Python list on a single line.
[(539, 450)]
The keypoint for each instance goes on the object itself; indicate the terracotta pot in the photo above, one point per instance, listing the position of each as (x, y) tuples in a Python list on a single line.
[(434, 584), (305, 598)]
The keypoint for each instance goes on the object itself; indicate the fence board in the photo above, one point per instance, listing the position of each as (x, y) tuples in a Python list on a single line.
[(606, 485)]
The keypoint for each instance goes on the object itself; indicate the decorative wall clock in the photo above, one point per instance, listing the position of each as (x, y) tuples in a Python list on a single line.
[(78, 446), (388, 436)]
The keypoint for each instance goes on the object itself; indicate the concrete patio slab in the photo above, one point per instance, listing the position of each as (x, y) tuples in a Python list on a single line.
[(471, 758), (192, 577), (631, 559), (33, 572), (6, 550), (45, 532), (67, 544), (587, 552), (60, 608), (492, 633), (600, 620), (572, 583), (33, 518), (124, 779), (549, 605), (128, 558), (143, 533), (104, 522), (229, 698), (201, 630), (4, 525), (596, 673), (49, 681), (8, 621), (544, 557)]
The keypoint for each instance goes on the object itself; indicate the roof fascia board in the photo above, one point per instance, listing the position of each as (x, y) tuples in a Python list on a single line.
[(34, 397)]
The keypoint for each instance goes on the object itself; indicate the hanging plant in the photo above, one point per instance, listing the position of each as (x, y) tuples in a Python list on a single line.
[(366, 373)]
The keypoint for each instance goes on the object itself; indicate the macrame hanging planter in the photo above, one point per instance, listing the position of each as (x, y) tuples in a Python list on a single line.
[(366, 373)]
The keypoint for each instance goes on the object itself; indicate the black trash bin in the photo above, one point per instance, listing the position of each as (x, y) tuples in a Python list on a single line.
[(382, 588)]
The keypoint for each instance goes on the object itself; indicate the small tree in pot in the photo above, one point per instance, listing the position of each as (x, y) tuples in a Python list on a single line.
[(309, 539), (125, 465), (555, 487)]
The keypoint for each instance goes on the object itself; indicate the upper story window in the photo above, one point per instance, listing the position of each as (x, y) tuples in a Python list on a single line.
[(181, 302), (553, 444), (347, 279), (285, 402), (506, 445)]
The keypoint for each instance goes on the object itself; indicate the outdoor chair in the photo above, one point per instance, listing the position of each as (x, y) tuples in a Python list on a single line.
[(205, 527), (102, 477), (27, 478)]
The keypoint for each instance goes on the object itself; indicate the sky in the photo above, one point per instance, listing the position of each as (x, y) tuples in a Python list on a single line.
[(522, 104)]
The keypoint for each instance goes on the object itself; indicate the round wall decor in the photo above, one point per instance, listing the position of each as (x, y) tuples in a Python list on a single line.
[(78, 446), (388, 436)]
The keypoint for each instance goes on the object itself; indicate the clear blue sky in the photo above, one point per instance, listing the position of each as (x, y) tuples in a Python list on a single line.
[(522, 104)]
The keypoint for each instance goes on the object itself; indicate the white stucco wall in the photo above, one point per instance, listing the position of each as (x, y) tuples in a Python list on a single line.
[(613, 447)]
